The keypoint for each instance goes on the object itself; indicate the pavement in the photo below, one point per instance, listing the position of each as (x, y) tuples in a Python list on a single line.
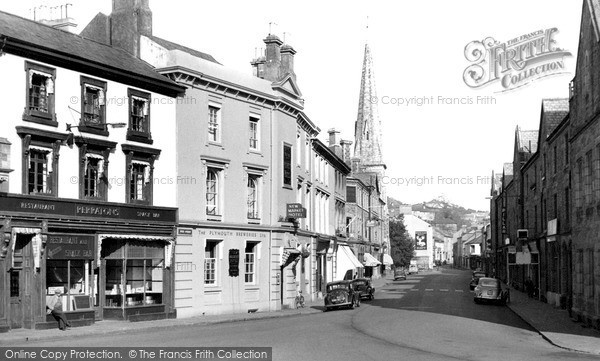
[(552, 323)]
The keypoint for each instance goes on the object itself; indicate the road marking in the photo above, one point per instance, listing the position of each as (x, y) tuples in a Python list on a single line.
[(428, 289), (414, 289), (458, 291), (443, 290)]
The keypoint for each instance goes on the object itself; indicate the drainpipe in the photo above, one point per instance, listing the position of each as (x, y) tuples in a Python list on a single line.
[(271, 213)]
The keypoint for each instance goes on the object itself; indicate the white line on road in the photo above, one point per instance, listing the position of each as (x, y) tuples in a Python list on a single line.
[(458, 291), (443, 290), (414, 289), (428, 289)]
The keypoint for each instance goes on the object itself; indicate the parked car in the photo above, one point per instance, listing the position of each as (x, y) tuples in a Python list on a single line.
[(341, 294), (364, 288), (490, 289), (399, 274), (476, 276), (413, 269)]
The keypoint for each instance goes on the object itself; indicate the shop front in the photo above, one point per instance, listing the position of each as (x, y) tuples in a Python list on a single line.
[(82, 250)]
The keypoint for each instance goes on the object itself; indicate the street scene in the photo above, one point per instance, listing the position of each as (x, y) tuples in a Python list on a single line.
[(234, 180)]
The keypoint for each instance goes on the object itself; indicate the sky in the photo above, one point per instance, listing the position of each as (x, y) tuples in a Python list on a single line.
[(442, 147)]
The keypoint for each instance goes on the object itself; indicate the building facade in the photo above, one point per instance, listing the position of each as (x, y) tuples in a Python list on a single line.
[(87, 132)]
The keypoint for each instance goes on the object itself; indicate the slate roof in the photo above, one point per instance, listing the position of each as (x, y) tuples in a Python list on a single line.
[(173, 46), (527, 140), (39, 38), (554, 111)]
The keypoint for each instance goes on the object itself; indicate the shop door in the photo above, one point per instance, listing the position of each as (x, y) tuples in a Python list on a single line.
[(20, 282)]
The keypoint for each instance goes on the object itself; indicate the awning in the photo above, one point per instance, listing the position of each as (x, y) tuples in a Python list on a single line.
[(371, 261), (346, 260), (387, 259), (289, 255), (170, 242)]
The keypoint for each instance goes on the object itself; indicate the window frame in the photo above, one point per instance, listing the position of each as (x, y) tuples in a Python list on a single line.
[(255, 258), (254, 119), (219, 123), (256, 216), (287, 165), (100, 128), (216, 245), (135, 154), (36, 116), (133, 134)]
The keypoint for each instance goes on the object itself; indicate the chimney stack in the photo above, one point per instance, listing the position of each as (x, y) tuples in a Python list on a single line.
[(272, 57), (287, 61), (130, 19), (56, 17)]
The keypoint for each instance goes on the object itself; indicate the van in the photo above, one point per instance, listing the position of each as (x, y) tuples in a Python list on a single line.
[(413, 269)]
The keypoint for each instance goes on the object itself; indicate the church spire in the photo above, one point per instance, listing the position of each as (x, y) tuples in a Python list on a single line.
[(367, 131)]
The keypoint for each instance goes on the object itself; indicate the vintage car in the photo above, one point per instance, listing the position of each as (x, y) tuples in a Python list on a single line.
[(476, 276), (490, 289), (363, 287), (341, 294), (413, 269), (399, 274)]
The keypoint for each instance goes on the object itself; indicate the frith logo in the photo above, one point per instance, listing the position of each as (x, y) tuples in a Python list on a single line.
[(514, 63)]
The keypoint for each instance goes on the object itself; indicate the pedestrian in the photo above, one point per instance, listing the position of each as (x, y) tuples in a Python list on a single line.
[(54, 308)]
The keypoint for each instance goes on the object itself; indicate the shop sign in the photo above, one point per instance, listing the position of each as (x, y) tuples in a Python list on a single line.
[(66, 246), (234, 262), (295, 210), (185, 232), (51, 207)]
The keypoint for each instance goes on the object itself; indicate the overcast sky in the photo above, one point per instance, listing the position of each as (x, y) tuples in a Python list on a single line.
[(418, 50)]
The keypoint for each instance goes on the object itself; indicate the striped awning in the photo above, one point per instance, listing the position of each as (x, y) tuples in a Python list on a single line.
[(387, 259), (170, 243)]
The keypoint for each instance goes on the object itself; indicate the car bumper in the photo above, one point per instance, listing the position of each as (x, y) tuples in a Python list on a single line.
[(334, 305)]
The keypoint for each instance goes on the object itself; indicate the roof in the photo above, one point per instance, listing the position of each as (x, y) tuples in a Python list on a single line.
[(594, 7), (553, 113), (508, 169), (173, 46), (527, 140), (40, 42)]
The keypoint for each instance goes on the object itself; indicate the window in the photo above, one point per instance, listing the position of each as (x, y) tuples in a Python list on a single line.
[(93, 104), (287, 166), (139, 116), (307, 155), (351, 194), (40, 94), (253, 197), (139, 180), (250, 262), (71, 277), (298, 149), (210, 262), (254, 133), (214, 124), (93, 169), (212, 192), (38, 172)]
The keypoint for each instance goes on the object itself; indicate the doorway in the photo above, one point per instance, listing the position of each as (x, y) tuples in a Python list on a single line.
[(21, 274)]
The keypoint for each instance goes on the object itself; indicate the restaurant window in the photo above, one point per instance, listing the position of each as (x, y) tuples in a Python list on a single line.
[(210, 262), (134, 272), (93, 104), (40, 94), (139, 116), (287, 165), (39, 172), (254, 133), (250, 262), (214, 123), (253, 196)]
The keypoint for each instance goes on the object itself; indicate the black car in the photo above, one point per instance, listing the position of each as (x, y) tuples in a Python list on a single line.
[(363, 287), (475, 279), (399, 274), (341, 294)]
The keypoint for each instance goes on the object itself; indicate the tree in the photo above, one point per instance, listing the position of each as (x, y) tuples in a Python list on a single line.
[(401, 243)]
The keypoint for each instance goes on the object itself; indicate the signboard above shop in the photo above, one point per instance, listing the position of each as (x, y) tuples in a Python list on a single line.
[(68, 246), (295, 210)]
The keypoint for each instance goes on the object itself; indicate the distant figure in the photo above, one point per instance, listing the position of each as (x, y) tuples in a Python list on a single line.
[(54, 307)]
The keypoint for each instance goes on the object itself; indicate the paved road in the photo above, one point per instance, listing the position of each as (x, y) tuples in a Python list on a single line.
[(427, 317)]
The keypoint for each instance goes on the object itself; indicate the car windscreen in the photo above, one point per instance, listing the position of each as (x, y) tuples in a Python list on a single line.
[(479, 275), (488, 283), (336, 287)]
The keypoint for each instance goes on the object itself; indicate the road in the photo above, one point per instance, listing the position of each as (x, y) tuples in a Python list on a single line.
[(427, 317)]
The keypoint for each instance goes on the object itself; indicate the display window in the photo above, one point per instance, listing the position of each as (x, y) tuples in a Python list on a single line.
[(134, 273), (74, 280)]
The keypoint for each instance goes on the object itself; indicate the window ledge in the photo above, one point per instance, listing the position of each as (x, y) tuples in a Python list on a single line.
[(210, 288), (40, 118), (287, 187), (98, 130), (140, 137), (255, 151), (215, 144), (214, 218)]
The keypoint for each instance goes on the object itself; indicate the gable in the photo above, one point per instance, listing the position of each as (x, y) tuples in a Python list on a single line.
[(289, 86)]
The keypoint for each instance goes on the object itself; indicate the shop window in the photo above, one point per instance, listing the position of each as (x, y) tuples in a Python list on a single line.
[(250, 262), (72, 278), (40, 94), (134, 273), (210, 262), (139, 116)]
